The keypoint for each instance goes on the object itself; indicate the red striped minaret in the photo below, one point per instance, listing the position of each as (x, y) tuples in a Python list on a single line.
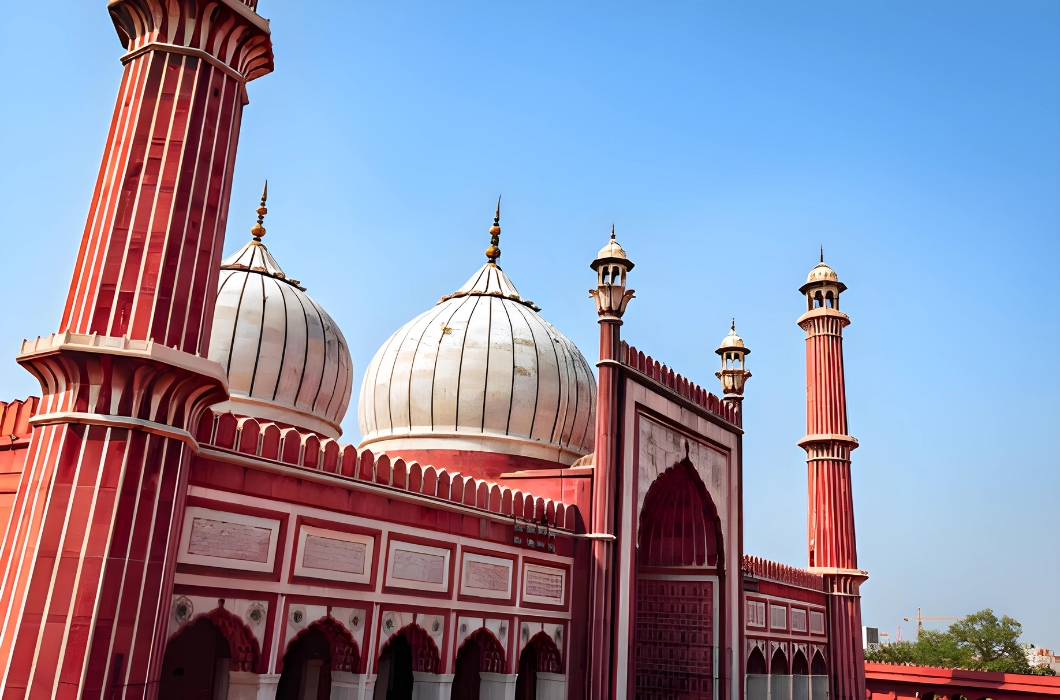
[(832, 549), (86, 566)]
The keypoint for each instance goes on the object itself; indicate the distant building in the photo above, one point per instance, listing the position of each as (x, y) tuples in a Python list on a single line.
[(1036, 656)]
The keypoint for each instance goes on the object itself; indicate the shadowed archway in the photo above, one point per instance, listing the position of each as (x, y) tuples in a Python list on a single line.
[(678, 550)]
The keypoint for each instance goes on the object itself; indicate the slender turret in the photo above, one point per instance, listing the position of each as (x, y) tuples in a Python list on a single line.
[(612, 296), (87, 564), (832, 549)]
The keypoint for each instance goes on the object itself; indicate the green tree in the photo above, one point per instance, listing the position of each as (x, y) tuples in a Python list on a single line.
[(994, 643), (978, 642)]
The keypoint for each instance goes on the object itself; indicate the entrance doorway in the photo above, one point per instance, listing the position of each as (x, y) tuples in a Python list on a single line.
[(409, 649), (480, 652), (196, 664), (539, 656), (677, 586)]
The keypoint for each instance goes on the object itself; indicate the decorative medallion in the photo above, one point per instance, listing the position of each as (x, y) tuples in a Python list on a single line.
[(297, 615), (256, 614), (182, 610), (389, 624), (356, 620)]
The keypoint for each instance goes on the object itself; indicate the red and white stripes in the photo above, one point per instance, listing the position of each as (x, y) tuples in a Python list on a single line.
[(87, 560), (830, 518), (153, 240)]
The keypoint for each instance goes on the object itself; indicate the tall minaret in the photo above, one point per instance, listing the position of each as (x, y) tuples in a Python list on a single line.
[(612, 296), (833, 552), (87, 563)]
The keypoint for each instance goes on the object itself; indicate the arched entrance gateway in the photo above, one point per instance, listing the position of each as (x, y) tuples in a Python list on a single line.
[(480, 653), (408, 650), (540, 656), (313, 656), (201, 654), (678, 585)]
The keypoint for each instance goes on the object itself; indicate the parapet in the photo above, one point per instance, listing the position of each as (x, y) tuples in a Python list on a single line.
[(781, 573), (309, 451), (644, 364)]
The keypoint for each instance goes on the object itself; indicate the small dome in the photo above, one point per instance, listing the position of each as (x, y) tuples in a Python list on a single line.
[(612, 252), (732, 341), (822, 273), (481, 371), (286, 359)]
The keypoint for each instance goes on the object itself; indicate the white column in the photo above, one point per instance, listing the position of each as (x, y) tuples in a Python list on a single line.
[(551, 686), (345, 685), (432, 686), (497, 686), (243, 685)]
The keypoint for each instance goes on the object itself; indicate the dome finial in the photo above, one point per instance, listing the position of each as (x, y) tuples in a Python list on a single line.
[(822, 252), (733, 328), (258, 230), (494, 252), (612, 232)]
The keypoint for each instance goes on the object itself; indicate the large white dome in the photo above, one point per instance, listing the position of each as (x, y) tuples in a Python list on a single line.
[(481, 371), (286, 359)]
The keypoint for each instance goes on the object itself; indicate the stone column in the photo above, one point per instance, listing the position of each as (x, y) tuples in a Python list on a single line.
[(497, 686), (432, 686)]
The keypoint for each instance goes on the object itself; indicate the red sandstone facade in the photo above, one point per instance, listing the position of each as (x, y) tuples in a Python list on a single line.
[(181, 519)]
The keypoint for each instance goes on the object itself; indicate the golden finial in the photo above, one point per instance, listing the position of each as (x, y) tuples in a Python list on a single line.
[(494, 252), (258, 230)]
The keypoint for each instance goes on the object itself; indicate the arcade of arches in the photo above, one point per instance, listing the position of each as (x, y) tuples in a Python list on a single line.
[(323, 663), (777, 680)]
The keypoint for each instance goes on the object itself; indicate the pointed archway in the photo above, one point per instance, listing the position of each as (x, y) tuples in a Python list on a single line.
[(678, 551), (480, 653), (540, 655), (313, 654), (408, 650), (203, 651)]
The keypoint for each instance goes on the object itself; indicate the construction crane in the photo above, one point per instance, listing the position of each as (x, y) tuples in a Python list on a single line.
[(920, 621)]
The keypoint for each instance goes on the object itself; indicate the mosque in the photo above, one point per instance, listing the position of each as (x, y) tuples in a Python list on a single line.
[(181, 518)]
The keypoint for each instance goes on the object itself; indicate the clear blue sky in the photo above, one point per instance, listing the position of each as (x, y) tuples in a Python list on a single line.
[(918, 141)]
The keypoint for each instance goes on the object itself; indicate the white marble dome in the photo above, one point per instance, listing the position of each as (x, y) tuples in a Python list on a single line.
[(286, 359), (481, 371)]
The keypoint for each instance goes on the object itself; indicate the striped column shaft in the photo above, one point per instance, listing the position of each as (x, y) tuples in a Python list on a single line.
[(847, 658), (104, 559), (825, 384), (152, 243), (831, 504), (87, 562)]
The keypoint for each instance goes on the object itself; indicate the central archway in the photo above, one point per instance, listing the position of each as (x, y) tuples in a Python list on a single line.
[(678, 552)]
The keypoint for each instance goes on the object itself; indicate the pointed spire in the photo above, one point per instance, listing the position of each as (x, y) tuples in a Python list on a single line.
[(494, 252), (822, 252), (612, 232), (258, 230), (733, 328)]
